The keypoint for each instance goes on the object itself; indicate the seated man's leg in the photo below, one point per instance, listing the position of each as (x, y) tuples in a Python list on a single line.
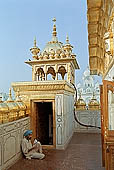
[(38, 155)]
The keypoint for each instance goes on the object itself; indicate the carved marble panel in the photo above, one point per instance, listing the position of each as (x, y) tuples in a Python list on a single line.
[(64, 119), (10, 140), (9, 148), (88, 117)]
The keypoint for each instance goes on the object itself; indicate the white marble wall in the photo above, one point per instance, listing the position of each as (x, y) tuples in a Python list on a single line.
[(110, 74), (64, 119), (88, 117), (10, 138)]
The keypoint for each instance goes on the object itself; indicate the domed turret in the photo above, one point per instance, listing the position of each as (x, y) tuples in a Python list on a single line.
[(80, 104), (86, 72), (53, 47), (13, 107), (35, 50), (54, 55), (93, 104)]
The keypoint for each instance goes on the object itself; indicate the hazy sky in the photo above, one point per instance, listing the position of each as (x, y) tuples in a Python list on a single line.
[(21, 21)]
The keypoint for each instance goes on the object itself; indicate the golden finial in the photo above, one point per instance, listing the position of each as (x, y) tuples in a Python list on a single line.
[(35, 50), (93, 95), (10, 97), (0, 99), (68, 47), (9, 92), (54, 27), (35, 42), (54, 19), (80, 94), (67, 39), (18, 98)]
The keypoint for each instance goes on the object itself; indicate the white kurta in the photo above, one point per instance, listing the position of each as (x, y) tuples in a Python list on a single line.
[(27, 145)]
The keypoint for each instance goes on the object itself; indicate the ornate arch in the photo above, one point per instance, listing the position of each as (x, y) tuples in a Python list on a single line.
[(52, 72), (62, 71), (40, 74)]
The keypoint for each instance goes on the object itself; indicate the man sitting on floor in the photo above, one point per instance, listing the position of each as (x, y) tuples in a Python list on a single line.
[(29, 150)]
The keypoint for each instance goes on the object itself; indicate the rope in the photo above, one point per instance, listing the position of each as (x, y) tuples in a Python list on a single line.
[(75, 116), (76, 119)]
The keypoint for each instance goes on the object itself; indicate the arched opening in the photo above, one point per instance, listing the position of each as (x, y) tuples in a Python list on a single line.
[(62, 72), (40, 75), (51, 75)]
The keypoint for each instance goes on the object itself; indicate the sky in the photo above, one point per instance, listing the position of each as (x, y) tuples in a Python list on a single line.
[(21, 21)]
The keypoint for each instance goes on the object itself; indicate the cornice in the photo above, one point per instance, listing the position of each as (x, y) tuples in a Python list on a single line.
[(53, 61), (42, 86)]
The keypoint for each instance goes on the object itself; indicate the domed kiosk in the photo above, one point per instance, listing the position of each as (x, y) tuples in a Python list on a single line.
[(80, 104), (93, 104)]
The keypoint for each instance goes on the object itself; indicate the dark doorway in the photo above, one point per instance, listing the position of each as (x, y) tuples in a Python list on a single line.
[(44, 124)]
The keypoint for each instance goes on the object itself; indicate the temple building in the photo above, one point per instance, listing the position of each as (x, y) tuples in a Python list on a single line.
[(87, 106), (101, 60), (50, 94), (88, 86)]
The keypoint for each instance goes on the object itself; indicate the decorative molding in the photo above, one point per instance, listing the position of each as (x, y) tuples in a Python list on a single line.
[(42, 86)]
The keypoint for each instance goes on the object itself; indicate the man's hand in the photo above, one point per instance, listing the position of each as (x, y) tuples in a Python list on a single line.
[(34, 146)]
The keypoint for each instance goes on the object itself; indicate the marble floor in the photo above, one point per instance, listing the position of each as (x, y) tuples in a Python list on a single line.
[(82, 153)]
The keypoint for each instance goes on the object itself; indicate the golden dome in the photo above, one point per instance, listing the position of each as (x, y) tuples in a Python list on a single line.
[(80, 104), (93, 104), (53, 46), (3, 107), (56, 49)]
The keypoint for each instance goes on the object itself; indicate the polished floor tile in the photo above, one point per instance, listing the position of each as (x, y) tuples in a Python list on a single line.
[(82, 153)]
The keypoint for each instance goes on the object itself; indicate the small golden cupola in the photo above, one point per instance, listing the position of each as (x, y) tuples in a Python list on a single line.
[(80, 104), (93, 104), (35, 50), (13, 107), (55, 62)]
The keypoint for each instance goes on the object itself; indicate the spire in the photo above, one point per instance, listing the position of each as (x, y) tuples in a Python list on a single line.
[(54, 33), (18, 98), (35, 50), (80, 95), (10, 97), (54, 27), (67, 39), (68, 47), (35, 42)]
